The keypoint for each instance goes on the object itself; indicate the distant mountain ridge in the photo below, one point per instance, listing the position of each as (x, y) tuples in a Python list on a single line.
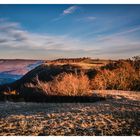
[(11, 70)]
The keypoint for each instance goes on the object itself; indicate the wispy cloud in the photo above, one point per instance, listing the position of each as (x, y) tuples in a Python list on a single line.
[(2, 19), (67, 11), (15, 37), (122, 33), (6, 25), (15, 41), (70, 10), (88, 18), (91, 18)]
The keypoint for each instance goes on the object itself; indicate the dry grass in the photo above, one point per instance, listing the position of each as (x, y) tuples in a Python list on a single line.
[(121, 78), (82, 65), (88, 65), (118, 94), (65, 85), (12, 92)]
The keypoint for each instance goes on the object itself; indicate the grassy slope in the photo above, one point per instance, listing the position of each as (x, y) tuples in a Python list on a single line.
[(120, 75)]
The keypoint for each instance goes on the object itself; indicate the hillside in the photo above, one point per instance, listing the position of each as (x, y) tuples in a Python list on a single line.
[(76, 78)]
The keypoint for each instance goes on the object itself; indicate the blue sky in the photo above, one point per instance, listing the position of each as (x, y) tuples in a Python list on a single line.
[(54, 31)]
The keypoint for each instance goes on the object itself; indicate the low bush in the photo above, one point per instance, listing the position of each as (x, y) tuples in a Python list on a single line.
[(124, 77), (64, 84)]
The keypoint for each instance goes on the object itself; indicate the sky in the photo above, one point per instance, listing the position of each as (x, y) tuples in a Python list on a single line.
[(69, 30)]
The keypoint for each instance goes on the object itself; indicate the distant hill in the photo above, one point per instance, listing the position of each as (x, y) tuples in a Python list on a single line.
[(11, 70), (17, 66)]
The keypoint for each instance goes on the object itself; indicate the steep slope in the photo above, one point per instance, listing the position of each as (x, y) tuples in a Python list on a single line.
[(44, 72)]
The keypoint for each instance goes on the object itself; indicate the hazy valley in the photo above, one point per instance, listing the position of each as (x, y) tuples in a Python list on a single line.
[(11, 70)]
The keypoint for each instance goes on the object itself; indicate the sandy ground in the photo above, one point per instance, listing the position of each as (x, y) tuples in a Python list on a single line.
[(109, 117)]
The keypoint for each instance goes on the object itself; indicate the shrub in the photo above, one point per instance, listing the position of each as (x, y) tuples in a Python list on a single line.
[(124, 77), (64, 84)]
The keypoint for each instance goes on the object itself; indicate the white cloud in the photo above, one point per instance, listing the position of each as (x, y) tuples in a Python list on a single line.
[(91, 18), (123, 33), (67, 11), (88, 18), (3, 19), (12, 36), (70, 10), (18, 41), (6, 25)]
